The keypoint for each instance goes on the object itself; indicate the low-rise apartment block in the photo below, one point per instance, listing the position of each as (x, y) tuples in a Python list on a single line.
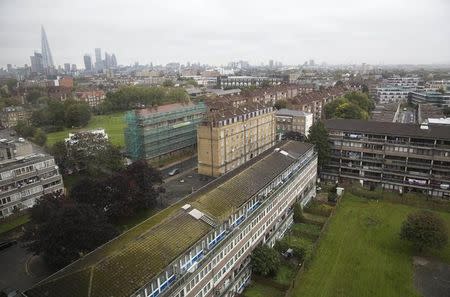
[(314, 102), (10, 116), (403, 157), (293, 120), (202, 249), (162, 131), (230, 136), (92, 98), (392, 94), (431, 97), (24, 176)]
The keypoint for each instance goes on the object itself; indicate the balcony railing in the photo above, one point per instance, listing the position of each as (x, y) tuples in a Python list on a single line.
[(212, 251)]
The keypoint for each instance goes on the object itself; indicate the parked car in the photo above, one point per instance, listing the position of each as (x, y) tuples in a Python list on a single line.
[(174, 171)]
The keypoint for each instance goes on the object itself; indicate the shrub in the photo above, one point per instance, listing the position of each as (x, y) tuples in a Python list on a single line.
[(265, 261), (281, 246), (424, 229), (299, 252), (319, 209), (332, 197)]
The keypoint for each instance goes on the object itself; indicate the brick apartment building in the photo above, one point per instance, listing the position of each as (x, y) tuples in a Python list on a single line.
[(230, 136)]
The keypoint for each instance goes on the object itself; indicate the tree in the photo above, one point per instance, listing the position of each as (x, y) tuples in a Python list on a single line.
[(425, 230), (33, 96), (39, 137), (60, 153), (339, 84), (77, 115), (23, 129), (177, 95), (265, 261), (89, 152), (62, 231), (365, 89), (280, 104), (318, 135), (446, 111), (11, 83), (168, 83), (121, 194), (354, 105)]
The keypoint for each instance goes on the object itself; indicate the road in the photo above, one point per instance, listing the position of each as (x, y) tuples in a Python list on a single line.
[(6, 134), (407, 117), (20, 269), (183, 166), (183, 184)]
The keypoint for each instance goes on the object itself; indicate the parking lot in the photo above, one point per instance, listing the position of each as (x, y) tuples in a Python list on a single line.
[(183, 184)]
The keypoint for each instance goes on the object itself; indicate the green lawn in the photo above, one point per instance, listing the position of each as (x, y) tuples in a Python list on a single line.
[(361, 253), (257, 289), (285, 274), (10, 224), (114, 125)]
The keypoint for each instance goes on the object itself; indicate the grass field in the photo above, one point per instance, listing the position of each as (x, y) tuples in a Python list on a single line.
[(257, 289), (361, 253), (114, 125), (10, 224)]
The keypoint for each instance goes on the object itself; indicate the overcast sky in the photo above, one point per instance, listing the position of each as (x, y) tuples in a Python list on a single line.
[(216, 32)]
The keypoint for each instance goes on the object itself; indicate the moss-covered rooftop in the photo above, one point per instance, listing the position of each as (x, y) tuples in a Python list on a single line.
[(127, 263), (121, 273)]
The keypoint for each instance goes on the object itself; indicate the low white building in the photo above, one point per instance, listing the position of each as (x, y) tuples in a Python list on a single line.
[(293, 120), (392, 94)]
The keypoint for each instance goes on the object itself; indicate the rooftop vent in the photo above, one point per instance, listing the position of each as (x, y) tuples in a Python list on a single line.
[(196, 213), (284, 153)]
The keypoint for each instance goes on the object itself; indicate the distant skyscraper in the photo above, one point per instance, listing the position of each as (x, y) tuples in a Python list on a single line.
[(74, 67), (37, 65), (107, 63), (67, 67), (47, 58), (87, 62), (271, 63), (98, 59), (113, 61)]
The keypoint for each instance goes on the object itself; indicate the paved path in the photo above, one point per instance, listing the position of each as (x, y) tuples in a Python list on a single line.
[(19, 269)]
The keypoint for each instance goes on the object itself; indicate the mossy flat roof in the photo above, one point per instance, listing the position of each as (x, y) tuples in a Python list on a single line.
[(120, 273), (127, 263)]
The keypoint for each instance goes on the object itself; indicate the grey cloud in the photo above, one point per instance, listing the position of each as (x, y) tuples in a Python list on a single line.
[(210, 31)]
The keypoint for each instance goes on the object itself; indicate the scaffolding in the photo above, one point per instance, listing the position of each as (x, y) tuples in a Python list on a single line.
[(154, 133)]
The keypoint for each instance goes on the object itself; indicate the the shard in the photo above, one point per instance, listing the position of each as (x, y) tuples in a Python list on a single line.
[(47, 58)]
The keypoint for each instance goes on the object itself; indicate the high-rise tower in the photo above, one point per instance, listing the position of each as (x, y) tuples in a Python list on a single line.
[(47, 58), (87, 62)]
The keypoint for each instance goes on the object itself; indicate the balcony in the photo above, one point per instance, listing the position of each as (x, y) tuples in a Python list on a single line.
[(419, 165), (212, 250)]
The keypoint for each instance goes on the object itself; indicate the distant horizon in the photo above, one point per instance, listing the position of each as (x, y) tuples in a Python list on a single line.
[(378, 33)]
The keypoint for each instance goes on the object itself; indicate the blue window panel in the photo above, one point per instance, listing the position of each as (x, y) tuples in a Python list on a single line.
[(240, 220)]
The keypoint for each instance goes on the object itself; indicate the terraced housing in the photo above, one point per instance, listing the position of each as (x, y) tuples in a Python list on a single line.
[(203, 248)]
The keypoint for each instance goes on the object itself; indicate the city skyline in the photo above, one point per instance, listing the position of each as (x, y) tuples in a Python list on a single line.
[(379, 32)]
